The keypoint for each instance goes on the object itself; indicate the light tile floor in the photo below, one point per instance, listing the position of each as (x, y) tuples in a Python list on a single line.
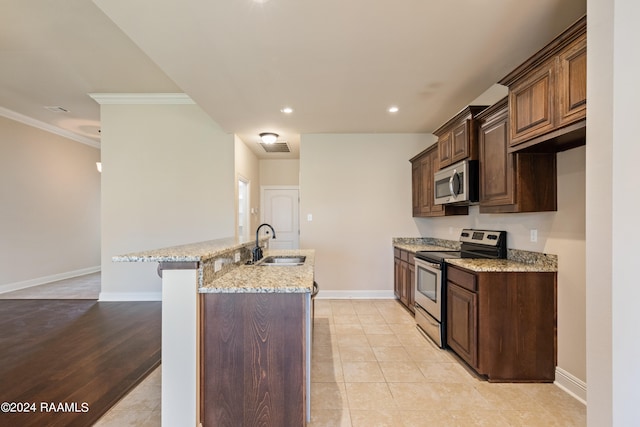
[(371, 367)]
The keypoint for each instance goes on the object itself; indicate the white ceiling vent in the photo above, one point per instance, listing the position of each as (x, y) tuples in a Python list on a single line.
[(276, 147)]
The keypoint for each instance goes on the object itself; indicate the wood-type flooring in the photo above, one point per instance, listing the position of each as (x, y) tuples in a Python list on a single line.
[(66, 362)]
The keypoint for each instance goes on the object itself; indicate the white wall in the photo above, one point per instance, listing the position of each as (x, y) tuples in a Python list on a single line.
[(279, 171), (247, 166), (358, 189), (168, 179), (49, 206), (613, 349)]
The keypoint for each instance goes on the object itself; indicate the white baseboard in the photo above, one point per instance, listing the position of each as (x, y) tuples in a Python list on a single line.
[(572, 385), (10, 287), (130, 296), (329, 294)]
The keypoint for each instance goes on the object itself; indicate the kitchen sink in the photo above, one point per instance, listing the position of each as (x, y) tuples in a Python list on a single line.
[(282, 260)]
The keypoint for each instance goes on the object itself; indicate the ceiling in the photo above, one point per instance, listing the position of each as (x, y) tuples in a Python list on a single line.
[(339, 64)]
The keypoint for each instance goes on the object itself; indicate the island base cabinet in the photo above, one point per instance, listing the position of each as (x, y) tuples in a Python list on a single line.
[(253, 359)]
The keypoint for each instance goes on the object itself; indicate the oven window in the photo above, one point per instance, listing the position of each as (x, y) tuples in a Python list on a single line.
[(427, 281)]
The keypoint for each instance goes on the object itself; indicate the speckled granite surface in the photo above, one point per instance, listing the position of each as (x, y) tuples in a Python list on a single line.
[(270, 279), (414, 244), (234, 276), (199, 251), (500, 265), (517, 260)]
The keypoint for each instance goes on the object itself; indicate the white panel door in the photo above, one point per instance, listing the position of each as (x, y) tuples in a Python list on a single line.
[(281, 210)]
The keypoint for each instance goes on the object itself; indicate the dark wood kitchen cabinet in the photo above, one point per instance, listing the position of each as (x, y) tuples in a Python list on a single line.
[(548, 94), (423, 168), (404, 277), (457, 137), (512, 182), (503, 324), (253, 359)]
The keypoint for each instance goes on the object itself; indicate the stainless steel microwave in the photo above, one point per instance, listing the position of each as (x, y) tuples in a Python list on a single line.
[(457, 184)]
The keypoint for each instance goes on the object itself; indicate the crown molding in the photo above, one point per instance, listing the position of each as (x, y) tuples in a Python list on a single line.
[(141, 98), (29, 121)]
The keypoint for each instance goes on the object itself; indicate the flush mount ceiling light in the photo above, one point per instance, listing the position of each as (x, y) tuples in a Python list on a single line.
[(269, 137), (287, 110), (393, 109)]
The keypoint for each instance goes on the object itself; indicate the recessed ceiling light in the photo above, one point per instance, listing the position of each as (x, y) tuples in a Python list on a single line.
[(393, 109), (287, 110)]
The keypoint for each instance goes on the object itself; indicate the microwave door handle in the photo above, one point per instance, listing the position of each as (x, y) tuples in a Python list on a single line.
[(453, 193)]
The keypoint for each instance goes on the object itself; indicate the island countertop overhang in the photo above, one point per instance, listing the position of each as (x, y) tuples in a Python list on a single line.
[(221, 266)]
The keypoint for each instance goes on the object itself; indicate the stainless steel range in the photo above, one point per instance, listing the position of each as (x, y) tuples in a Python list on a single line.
[(430, 283)]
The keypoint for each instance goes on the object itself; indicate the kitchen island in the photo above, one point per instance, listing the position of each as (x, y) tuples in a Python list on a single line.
[(236, 344)]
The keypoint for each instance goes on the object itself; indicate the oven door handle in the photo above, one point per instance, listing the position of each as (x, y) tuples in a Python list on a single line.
[(426, 264)]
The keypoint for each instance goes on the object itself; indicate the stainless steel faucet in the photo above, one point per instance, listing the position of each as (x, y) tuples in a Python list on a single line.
[(257, 251)]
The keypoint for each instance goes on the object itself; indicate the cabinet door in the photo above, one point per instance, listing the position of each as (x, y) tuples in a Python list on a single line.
[(435, 210), (496, 164), (397, 277), (445, 150), (426, 184), (462, 333), (460, 141), (416, 187), (531, 104), (572, 83)]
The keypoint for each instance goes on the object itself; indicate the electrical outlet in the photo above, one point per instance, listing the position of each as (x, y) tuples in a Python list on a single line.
[(309, 217), (236, 257), (534, 235), (217, 265)]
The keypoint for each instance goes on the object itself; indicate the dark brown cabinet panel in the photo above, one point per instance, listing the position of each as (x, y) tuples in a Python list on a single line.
[(462, 332), (253, 357), (423, 167), (506, 328), (548, 95), (572, 82), (457, 138), (532, 101), (404, 281), (512, 182)]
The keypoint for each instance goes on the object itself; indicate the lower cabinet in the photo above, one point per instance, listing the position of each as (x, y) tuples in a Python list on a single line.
[(253, 359), (404, 277), (503, 324)]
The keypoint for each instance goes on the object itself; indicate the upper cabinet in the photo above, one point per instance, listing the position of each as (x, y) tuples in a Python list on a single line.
[(457, 138), (548, 94), (511, 182), (423, 167)]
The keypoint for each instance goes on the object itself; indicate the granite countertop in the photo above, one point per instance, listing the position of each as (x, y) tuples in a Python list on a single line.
[(267, 279), (517, 260), (413, 248), (501, 265), (415, 244), (191, 252)]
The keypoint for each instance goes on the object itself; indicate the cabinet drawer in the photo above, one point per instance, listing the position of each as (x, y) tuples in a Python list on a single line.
[(462, 278), (396, 252), (404, 255)]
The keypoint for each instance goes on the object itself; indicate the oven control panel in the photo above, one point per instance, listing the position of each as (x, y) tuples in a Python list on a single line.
[(483, 237)]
